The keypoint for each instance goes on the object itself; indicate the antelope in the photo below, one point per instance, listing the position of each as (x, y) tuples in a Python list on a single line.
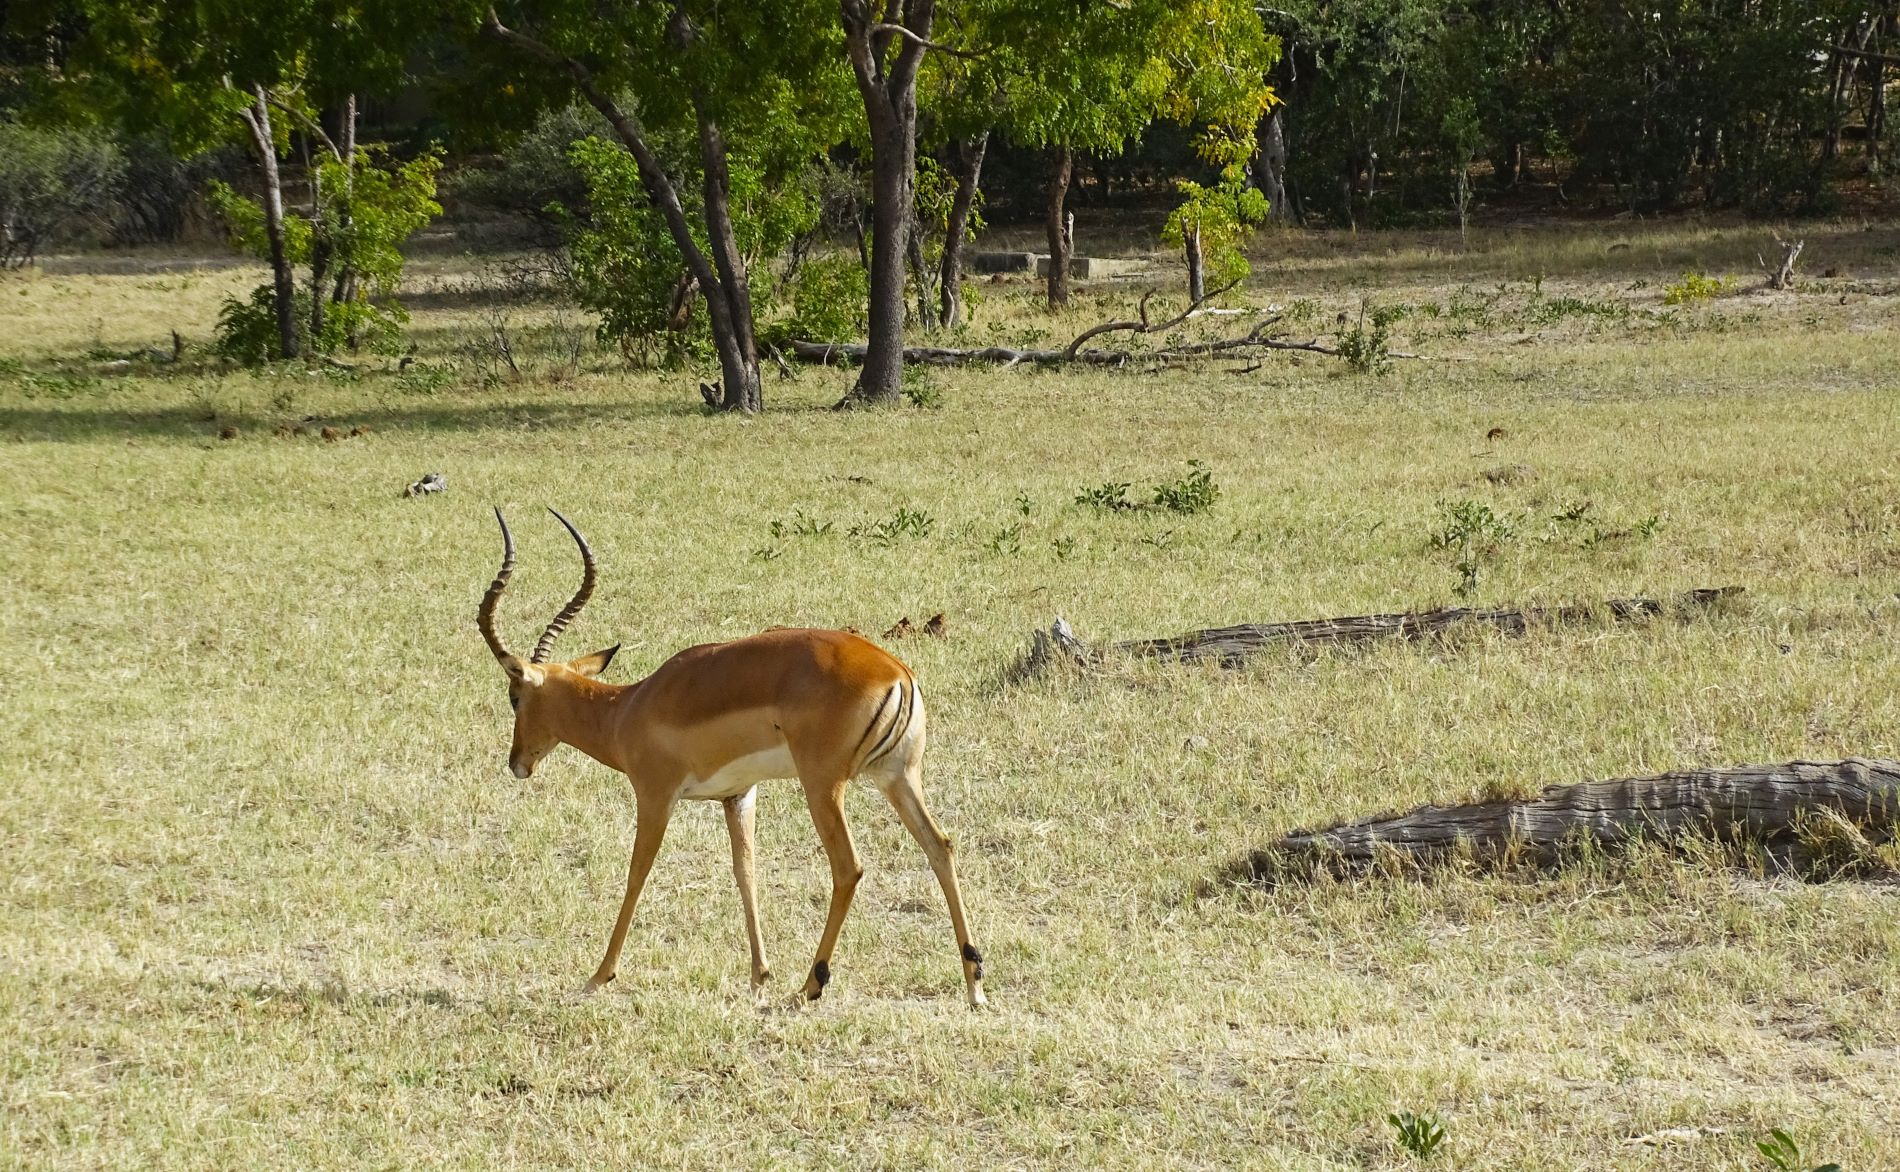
[(715, 720)]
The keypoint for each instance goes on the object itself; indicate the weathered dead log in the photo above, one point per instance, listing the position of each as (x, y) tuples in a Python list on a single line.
[(1230, 646), (1256, 339), (1816, 804), (1783, 277)]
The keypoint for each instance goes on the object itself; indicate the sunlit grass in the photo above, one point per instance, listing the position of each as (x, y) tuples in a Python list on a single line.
[(271, 898)]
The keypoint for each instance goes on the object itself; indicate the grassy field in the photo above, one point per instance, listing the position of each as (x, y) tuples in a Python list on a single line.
[(271, 900)]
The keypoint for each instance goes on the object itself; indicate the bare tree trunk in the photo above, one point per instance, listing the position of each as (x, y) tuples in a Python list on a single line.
[(921, 274), (738, 351), (1197, 271), (1057, 229), (322, 247), (969, 173), (888, 85), (283, 281), (1269, 164), (345, 289)]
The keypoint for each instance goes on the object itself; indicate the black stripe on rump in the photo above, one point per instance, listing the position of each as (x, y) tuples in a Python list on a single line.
[(892, 735), (872, 728)]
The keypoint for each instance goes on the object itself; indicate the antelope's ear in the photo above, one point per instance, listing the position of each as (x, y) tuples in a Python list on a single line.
[(592, 665), (521, 671)]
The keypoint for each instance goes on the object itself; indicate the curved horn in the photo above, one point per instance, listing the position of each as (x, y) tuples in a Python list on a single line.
[(575, 603), (485, 617)]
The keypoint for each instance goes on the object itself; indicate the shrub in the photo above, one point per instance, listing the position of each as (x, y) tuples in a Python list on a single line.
[(1692, 288), (51, 181), (1194, 493)]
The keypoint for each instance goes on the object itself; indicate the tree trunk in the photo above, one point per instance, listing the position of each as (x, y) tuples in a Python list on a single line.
[(1808, 808), (283, 281), (1231, 646), (1197, 271), (321, 249), (345, 289), (921, 275), (888, 85), (1057, 229), (738, 351), (950, 280), (723, 305), (1269, 164)]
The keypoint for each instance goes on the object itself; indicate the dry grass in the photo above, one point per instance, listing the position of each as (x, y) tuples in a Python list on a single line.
[(271, 899)]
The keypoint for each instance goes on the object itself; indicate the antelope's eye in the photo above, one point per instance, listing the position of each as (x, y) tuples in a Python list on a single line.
[(514, 702)]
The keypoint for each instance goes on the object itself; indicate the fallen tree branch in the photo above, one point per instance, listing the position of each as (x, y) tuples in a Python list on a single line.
[(1820, 807), (1144, 326), (1230, 646), (1007, 356)]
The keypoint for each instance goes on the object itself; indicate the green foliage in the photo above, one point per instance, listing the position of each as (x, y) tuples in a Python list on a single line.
[(628, 267), (1364, 345), (1473, 533), (1111, 497), (51, 181), (1419, 1135), (1194, 493), (367, 212), (626, 263), (1220, 216), (1693, 288), (1781, 1151), (904, 523), (831, 299), (536, 171), (246, 332)]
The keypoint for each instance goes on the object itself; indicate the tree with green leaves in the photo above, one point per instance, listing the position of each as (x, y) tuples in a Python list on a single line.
[(1092, 77), (215, 71), (713, 74)]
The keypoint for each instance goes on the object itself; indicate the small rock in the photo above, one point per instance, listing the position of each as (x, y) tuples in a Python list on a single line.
[(1505, 474), (228, 432), (1195, 744), (430, 482)]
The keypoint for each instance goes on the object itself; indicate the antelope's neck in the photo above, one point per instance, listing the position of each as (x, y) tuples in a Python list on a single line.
[(588, 719)]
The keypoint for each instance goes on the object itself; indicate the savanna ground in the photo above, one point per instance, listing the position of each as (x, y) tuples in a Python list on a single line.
[(270, 898)]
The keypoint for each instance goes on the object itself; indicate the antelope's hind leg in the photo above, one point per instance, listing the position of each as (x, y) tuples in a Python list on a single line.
[(905, 791), (826, 800), (739, 827)]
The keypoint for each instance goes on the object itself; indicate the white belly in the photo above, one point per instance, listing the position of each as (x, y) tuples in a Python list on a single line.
[(741, 774)]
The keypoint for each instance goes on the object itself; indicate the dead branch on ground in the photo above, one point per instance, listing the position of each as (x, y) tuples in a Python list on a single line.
[(1230, 646)]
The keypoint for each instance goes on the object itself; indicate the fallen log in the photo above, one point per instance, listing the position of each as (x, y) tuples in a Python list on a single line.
[(1256, 339), (1230, 646), (1822, 808)]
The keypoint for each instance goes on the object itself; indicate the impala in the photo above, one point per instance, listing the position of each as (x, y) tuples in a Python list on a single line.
[(714, 721)]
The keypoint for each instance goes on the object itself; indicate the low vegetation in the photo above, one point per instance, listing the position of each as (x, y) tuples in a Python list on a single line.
[(271, 897)]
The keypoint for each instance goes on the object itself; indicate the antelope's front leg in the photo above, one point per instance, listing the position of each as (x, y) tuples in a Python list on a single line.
[(739, 827), (647, 835)]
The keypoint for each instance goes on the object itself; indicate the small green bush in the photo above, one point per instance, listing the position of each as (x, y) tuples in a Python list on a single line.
[(1694, 287)]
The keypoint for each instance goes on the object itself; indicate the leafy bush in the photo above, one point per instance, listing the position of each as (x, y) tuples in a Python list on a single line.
[(537, 174), (1194, 493), (368, 211), (921, 388), (1364, 346), (1110, 497), (628, 268), (1692, 288), (51, 181), (246, 332), (1781, 1151), (831, 302), (1418, 1134)]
